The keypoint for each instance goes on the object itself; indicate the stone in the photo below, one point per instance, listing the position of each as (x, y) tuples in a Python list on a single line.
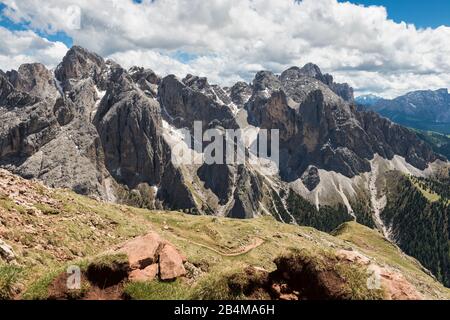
[(170, 263), (6, 252), (192, 272), (142, 251), (147, 274), (353, 256)]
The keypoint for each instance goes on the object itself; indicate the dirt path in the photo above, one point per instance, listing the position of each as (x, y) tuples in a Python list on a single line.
[(256, 243)]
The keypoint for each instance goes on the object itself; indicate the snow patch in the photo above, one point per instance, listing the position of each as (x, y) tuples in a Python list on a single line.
[(58, 85), (100, 96)]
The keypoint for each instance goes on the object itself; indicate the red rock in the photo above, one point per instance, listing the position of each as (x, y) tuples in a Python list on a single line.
[(145, 275), (142, 251), (170, 263)]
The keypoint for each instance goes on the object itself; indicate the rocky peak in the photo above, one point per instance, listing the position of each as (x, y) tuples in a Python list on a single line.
[(311, 70), (196, 83), (146, 79), (314, 114), (214, 92), (10, 97), (139, 74), (193, 99), (292, 73), (33, 78), (240, 93), (80, 64), (266, 81)]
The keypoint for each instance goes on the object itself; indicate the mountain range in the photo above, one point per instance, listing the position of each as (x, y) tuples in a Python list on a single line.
[(425, 110), (106, 132)]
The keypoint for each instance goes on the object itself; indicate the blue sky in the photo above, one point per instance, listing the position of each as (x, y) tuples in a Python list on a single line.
[(422, 13), (59, 36)]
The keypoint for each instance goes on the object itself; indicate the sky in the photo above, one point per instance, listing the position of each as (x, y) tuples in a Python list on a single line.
[(383, 47), (422, 13)]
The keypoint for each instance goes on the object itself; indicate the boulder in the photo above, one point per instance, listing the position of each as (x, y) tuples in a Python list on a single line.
[(142, 251), (145, 275), (170, 263)]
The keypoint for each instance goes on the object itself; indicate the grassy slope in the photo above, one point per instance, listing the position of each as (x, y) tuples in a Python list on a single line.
[(427, 193), (73, 229), (370, 243)]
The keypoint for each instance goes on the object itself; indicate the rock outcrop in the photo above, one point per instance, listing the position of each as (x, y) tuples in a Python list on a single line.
[(325, 129), (151, 257)]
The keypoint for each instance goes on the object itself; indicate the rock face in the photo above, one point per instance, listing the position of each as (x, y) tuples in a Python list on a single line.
[(34, 79), (107, 132), (313, 71), (320, 128), (80, 64), (193, 99), (311, 178), (128, 124), (240, 93)]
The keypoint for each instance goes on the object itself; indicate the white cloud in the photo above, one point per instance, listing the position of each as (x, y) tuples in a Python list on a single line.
[(232, 39), (18, 47)]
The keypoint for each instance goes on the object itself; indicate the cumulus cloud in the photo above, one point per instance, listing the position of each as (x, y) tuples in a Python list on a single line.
[(18, 47), (230, 40)]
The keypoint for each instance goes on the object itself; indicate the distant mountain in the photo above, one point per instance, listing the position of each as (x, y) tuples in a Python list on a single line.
[(424, 110), (368, 99)]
